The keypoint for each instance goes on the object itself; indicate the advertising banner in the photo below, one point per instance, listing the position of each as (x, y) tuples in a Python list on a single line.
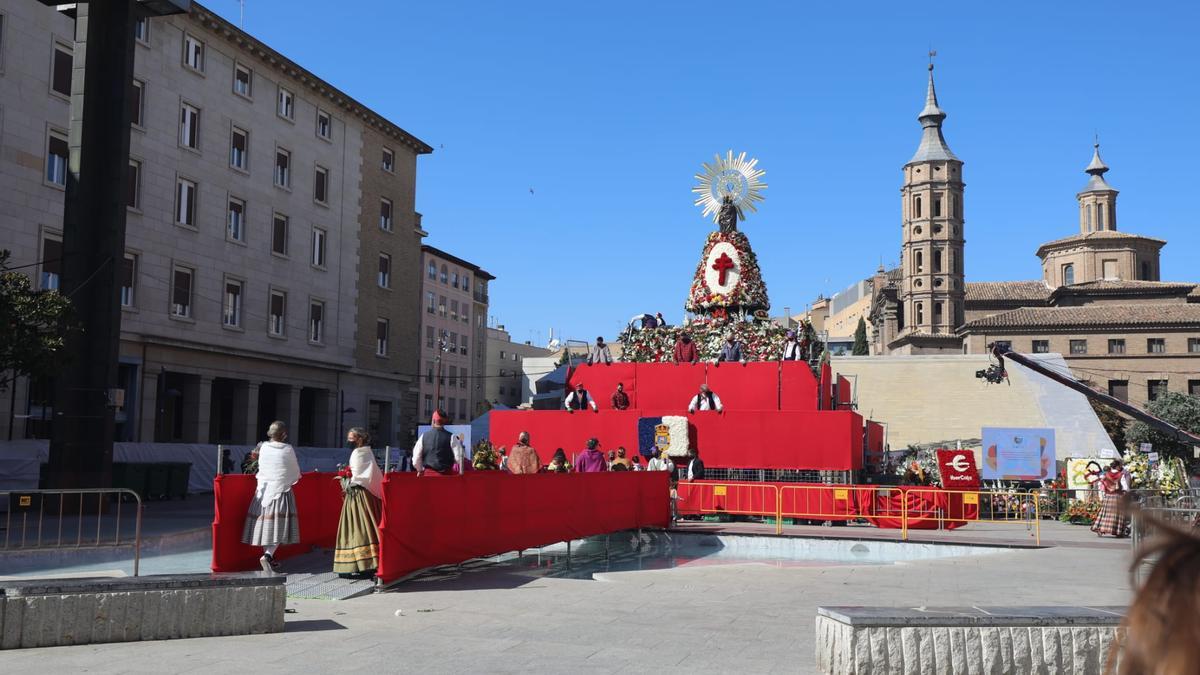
[(1018, 454), (958, 469)]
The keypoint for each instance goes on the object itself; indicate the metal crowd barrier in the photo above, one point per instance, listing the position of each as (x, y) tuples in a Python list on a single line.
[(990, 507), (735, 498), (27, 510)]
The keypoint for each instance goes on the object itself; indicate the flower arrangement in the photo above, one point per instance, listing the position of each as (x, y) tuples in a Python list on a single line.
[(748, 295), (919, 466), (1166, 477), (343, 476), (760, 341), (485, 457), (1081, 512)]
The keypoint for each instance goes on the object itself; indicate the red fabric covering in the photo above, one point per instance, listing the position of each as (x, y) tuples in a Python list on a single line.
[(844, 395), (825, 388), (318, 507), (666, 386), (438, 522), (798, 387), (601, 381), (874, 442), (754, 386), (885, 509)]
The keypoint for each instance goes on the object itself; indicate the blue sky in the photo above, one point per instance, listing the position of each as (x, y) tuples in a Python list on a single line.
[(606, 111)]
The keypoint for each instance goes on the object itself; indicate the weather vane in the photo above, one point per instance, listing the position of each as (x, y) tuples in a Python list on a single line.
[(728, 187)]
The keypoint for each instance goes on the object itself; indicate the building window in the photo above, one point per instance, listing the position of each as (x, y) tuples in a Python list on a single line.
[(56, 159), (1068, 274), (243, 80), (316, 322), (141, 30), (442, 306), (937, 207), (324, 125), (917, 206), (433, 271), (231, 315), (287, 104), (453, 376), (181, 292), (920, 314), (318, 247), (1119, 389), (389, 161), (1156, 346), (1193, 387), (429, 372), (193, 53), (137, 107), (283, 168), (430, 302), (1041, 346), (239, 148), (445, 276), (428, 405), (1078, 346), (185, 202), (60, 73), (429, 336), (919, 261), (279, 235), (465, 312), (385, 215), (51, 264), (381, 337), (134, 200), (1087, 208), (385, 270), (466, 282), (462, 408), (937, 260), (462, 348), (1194, 345), (189, 126), (454, 310), (128, 279), (454, 278), (1116, 346), (320, 185), (277, 314), (453, 341), (462, 378), (1146, 271), (937, 313), (237, 219), (1155, 389)]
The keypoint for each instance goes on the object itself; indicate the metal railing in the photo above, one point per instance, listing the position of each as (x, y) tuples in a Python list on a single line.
[(29, 510), (973, 506), (734, 498)]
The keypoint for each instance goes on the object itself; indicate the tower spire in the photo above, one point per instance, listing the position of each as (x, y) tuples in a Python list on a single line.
[(1096, 169), (933, 144)]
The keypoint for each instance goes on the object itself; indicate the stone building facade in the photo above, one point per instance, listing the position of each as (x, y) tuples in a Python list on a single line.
[(454, 298), (505, 359), (247, 237)]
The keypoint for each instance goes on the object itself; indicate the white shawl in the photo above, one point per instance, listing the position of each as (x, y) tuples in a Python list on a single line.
[(366, 471), (278, 470)]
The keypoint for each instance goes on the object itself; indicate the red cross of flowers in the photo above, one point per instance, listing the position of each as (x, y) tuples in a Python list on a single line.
[(722, 265)]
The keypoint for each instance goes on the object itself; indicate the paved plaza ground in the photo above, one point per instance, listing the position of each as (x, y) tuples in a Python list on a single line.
[(743, 617)]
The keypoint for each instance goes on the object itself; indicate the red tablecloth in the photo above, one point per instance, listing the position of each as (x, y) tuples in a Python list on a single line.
[(446, 520), (318, 507)]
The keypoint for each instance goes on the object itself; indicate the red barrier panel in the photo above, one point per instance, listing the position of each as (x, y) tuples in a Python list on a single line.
[(753, 386), (844, 395), (601, 381), (797, 386), (666, 386), (922, 504), (825, 387), (550, 429), (318, 508), (824, 440), (440, 521)]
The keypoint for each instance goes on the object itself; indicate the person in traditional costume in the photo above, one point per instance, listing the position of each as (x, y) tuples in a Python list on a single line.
[(685, 350), (791, 348), (522, 458), (437, 450), (731, 350), (600, 353), (559, 463), (356, 553), (271, 520), (591, 460), (580, 399), (705, 400), (620, 399), (1113, 518)]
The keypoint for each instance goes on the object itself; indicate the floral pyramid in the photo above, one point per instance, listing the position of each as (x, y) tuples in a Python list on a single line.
[(728, 282)]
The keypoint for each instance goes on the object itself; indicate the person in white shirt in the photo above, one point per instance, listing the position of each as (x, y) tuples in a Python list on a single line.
[(791, 348), (272, 519), (438, 450), (660, 462), (356, 551), (706, 400), (579, 399)]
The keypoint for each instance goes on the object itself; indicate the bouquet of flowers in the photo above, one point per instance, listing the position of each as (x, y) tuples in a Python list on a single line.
[(919, 466), (1081, 512), (485, 457), (343, 476)]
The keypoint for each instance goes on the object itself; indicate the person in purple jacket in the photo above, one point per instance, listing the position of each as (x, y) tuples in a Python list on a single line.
[(592, 459)]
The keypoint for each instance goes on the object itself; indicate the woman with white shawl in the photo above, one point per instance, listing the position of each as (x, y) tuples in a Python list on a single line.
[(271, 520), (356, 551)]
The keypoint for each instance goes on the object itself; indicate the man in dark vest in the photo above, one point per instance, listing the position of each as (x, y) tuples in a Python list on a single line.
[(437, 450), (705, 400), (579, 399)]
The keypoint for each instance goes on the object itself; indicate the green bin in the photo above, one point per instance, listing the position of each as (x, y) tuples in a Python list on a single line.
[(157, 476), (131, 477), (177, 479)]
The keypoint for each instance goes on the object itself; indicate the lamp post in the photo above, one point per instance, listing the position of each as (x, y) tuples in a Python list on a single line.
[(437, 383)]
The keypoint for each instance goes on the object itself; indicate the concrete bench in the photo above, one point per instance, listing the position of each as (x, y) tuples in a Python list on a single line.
[(965, 639), (50, 612)]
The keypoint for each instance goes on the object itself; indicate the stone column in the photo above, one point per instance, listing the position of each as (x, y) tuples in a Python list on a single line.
[(245, 413), (325, 429), (197, 398), (148, 407), (291, 412)]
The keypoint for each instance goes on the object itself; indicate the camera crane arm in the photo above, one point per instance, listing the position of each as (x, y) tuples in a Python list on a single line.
[(996, 373)]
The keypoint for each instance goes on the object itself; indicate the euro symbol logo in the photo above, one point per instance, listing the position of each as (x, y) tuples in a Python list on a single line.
[(959, 463)]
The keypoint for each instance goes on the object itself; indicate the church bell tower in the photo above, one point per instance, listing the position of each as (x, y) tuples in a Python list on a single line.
[(931, 294)]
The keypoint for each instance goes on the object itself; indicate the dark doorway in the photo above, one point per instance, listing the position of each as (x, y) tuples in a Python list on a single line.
[(269, 396), (306, 425), (221, 417)]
